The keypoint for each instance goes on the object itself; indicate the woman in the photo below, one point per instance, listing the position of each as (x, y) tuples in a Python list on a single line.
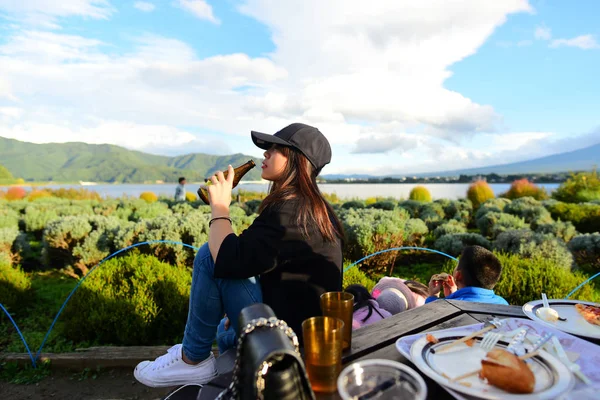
[(366, 309), (294, 247)]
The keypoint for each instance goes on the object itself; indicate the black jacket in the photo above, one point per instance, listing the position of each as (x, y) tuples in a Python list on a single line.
[(294, 270)]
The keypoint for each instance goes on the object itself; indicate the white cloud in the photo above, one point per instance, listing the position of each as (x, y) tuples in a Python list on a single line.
[(585, 42), (43, 13), (385, 143), (200, 8), (543, 33), (524, 43), (144, 6), (112, 132), (356, 73), (8, 114)]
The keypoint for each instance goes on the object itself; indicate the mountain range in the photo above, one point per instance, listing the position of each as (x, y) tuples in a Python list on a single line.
[(72, 162), (578, 160)]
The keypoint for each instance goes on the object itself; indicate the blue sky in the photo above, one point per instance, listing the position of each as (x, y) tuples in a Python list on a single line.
[(399, 86)]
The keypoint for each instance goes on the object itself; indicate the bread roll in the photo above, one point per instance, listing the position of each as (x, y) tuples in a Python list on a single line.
[(441, 277), (505, 371)]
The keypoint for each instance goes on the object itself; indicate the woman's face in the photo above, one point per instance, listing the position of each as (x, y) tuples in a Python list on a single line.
[(273, 165)]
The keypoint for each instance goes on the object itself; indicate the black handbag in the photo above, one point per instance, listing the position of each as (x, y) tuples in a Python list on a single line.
[(268, 364)]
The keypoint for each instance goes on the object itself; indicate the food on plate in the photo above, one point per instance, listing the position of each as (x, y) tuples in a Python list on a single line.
[(507, 372), (547, 314), (470, 342), (440, 277), (431, 339), (590, 313)]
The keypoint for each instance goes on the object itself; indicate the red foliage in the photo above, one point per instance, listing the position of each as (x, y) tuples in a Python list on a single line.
[(525, 188), (15, 193)]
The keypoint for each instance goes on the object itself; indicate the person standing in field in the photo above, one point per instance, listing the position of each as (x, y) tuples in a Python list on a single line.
[(180, 190)]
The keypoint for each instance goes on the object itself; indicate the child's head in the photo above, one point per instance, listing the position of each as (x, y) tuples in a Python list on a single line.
[(477, 267), (361, 295), (182, 180)]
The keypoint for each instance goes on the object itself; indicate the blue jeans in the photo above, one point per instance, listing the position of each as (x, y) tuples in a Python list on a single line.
[(210, 299)]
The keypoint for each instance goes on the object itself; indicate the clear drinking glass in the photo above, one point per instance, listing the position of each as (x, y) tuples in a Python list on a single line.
[(340, 305), (323, 338), (381, 380)]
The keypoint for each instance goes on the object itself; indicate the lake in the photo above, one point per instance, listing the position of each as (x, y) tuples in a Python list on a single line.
[(344, 191)]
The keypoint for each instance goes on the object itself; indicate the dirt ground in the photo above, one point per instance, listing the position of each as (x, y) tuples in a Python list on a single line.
[(110, 384)]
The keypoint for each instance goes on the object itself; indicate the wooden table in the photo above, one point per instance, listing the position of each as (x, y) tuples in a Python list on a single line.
[(378, 340)]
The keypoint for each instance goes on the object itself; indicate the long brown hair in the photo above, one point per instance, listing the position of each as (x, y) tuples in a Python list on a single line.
[(299, 181)]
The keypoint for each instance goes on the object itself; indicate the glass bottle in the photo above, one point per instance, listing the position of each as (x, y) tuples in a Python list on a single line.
[(238, 173)]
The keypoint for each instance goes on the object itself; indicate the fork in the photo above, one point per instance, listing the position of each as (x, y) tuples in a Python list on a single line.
[(489, 341)]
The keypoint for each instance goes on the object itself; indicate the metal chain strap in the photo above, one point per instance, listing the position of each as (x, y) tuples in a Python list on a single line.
[(232, 392)]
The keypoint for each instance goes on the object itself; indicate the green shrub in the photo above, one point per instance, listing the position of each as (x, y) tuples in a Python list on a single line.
[(9, 218), (355, 276), (529, 244), (354, 204), (36, 219), (411, 206), (371, 230), (133, 300), (493, 205), (450, 227), (530, 210), (525, 188), (16, 205), (579, 188), (420, 193), (78, 209), (586, 250), (60, 238), (194, 231), (253, 206), (383, 205), (415, 231), (7, 239), (14, 285), (453, 244), (79, 242), (492, 224), (143, 210), (182, 208), (562, 230), (479, 192), (459, 210), (585, 216), (433, 214), (523, 280)]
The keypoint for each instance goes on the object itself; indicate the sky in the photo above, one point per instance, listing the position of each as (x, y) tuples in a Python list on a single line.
[(397, 86)]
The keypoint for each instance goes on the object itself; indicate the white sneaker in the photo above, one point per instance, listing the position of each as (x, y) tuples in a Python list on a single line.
[(171, 370)]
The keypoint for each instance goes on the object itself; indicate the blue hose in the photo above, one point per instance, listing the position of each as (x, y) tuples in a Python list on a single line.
[(34, 359), (581, 285), (399, 248), (21, 335)]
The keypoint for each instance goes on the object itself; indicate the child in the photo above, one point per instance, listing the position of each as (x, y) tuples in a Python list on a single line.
[(366, 309), (473, 279)]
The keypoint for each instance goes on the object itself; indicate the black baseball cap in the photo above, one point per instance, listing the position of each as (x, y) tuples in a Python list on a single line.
[(304, 138)]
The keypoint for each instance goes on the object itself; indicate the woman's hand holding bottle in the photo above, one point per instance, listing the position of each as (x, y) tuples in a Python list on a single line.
[(219, 192)]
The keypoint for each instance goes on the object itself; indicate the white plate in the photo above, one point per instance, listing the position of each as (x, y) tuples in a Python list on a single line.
[(575, 323), (552, 378)]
